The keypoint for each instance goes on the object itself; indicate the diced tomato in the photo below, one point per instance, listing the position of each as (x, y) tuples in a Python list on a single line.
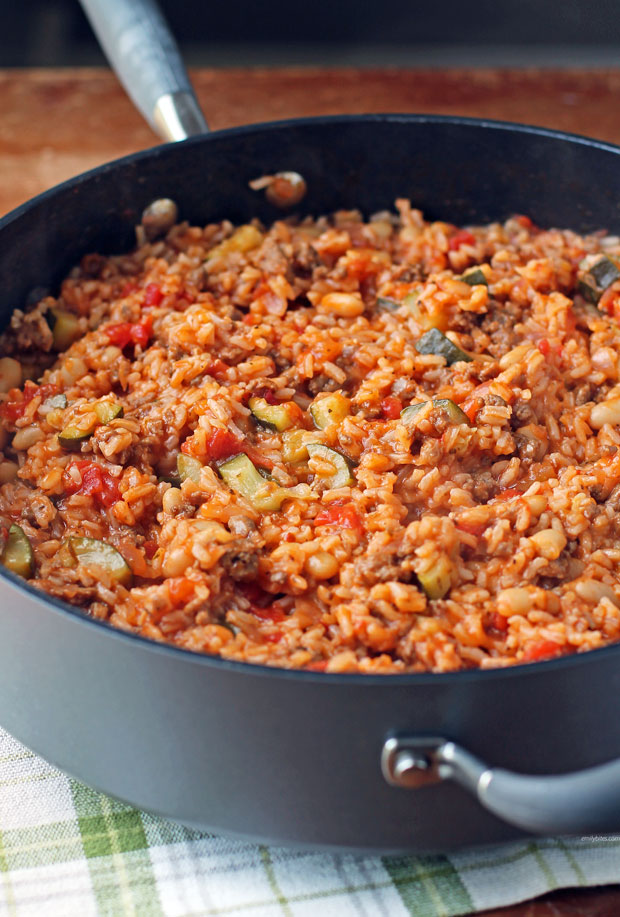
[(524, 221), (250, 319), (391, 407), (294, 412), (150, 548), (96, 482), (125, 333), (345, 516), (129, 288), (119, 334), (542, 649), (180, 589), (263, 391), (608, 299), (544, 346), (217, 368), (152, 295), (498, 622), (462, 237), (472, 528), (14, 409), (471, 406), (508, 494), (269, 613), (221, 444), (318, 666), (273, 637)]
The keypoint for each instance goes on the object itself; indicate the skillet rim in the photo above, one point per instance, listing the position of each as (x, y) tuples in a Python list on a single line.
[(409, 679)]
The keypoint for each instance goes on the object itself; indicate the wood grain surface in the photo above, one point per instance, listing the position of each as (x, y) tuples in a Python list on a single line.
[(57, 123)]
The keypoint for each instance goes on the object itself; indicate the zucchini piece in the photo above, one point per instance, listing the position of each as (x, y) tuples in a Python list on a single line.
[(455, 414), (425, 316), (437, 581), (107, 411), (188, 467), (475, 277), (343, 466), (17, 555), (595, 278), (329, 409), (95, 553), (72, 437), (435, 341), (275, 417), (65, 327), (387, 305), (244, 478), (413, 409), (294, 445)]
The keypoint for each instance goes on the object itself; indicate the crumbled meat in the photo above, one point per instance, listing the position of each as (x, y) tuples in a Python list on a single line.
[(29, 331), (240, 564), (271, 259), (522, 414), (383, 567), (484, 487), (304, 262), (584, 393), (241, 525), (529, 447), (464, 322), (323, 383)]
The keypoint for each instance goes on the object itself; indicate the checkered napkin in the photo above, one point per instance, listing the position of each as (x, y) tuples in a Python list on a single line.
[(66, 850)]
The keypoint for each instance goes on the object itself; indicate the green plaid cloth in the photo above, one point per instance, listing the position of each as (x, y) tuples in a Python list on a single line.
[(66, 850)]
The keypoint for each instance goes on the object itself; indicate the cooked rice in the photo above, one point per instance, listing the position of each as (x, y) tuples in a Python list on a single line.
[(516, 511)]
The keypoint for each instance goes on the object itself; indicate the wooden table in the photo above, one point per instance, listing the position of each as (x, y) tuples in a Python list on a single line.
[(56, 123)]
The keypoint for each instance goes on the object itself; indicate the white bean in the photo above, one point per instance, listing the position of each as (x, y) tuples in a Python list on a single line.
[(549, 543), (27, 437), (172, 500), (346, 305), (605, 412), (10, 374), (593, 591), (514, 601)]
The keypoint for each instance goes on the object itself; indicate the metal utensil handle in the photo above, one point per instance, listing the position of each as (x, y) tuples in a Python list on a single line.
[(581, 802), (142, 51)]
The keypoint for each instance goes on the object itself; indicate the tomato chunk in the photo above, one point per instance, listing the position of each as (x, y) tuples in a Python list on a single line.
[(125, 333), (472, 528), (150, 548), (498, 622), (391, 407), (96, 482), (270, 613), (180, 590), (462, 237), (524, 221), (542, 649), (153, 295), (343, 515), (14, 409)]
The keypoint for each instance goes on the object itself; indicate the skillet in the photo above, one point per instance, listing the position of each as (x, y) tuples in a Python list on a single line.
[(367, 763)]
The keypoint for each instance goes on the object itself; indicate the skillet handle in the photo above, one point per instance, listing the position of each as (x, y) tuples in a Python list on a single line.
[(140, 47), (581, 802)]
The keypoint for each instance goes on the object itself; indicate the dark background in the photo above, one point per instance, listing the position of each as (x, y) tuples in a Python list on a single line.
[(337, 32)]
